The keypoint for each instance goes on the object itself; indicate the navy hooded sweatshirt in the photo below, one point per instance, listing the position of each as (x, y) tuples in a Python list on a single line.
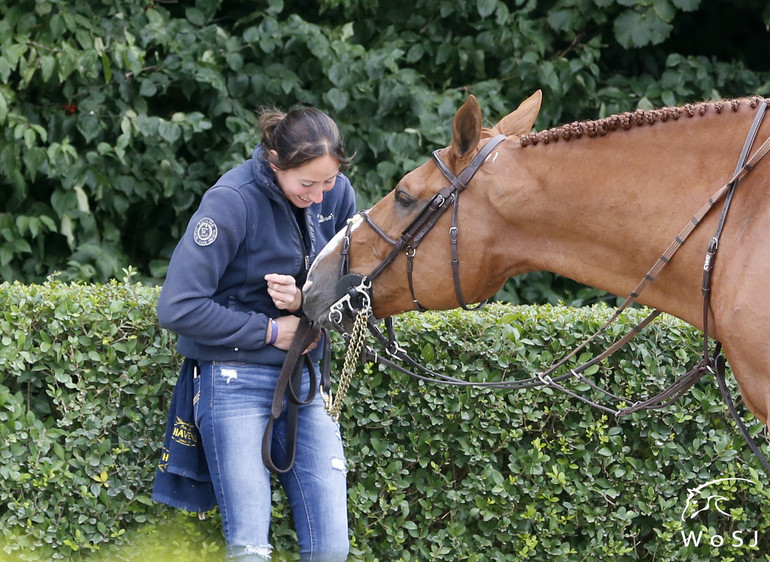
[(215, 295)]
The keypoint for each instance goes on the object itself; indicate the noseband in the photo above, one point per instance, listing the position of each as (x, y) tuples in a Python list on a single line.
[(414, 233)]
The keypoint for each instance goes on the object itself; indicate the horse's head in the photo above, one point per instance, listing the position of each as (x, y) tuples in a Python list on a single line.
[(403, 243)]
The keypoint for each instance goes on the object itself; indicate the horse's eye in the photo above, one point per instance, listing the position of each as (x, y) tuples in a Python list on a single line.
[(403, 198)]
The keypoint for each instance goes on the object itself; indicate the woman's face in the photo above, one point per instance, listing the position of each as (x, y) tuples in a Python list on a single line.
[(307, 184)]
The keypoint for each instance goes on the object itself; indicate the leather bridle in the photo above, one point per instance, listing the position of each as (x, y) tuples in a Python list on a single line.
[(415, 232)]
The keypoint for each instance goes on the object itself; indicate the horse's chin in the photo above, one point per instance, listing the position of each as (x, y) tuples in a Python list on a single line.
[(347, 324)]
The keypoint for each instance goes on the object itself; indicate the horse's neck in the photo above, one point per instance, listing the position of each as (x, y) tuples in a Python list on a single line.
[(602, 210)]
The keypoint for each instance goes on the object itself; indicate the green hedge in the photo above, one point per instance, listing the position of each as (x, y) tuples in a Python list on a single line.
[(436, 473)]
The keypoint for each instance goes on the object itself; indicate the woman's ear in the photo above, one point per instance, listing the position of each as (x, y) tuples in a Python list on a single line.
[(273, 156)]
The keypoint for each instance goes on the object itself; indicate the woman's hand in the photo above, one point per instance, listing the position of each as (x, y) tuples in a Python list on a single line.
[(287, 327), (284, 291)]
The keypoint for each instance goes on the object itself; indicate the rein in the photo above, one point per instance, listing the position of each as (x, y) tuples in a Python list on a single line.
[(355, 295), (288, 388)]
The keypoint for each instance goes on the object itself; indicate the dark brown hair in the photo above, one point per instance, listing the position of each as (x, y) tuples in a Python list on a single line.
[(300, 136)]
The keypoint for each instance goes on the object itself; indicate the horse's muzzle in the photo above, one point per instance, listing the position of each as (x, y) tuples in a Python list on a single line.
[(336, 309), (317, 297)]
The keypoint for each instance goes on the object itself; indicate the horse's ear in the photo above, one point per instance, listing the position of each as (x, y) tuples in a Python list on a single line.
[(466, 127), (520, 121)]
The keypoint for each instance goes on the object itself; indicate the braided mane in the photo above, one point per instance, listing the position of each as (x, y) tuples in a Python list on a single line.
[(600, 127)]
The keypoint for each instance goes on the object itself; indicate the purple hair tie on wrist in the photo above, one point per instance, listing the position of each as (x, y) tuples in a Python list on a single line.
[(273, 332)]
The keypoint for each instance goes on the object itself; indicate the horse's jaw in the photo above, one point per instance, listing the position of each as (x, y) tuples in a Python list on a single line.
[(318, 295)]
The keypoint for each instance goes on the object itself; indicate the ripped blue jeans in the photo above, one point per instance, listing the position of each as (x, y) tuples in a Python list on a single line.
[(232, 409)]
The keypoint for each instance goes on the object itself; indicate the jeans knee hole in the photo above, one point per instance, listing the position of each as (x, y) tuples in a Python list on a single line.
[(339, 464), (264, 551)]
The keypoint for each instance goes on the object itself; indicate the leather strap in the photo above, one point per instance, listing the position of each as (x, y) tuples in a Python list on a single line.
[(716, 363), (288, 387), (422, 224), (719, 374)]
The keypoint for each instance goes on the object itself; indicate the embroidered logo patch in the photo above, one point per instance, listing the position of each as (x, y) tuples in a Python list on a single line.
[(184, 433), (205, 232)]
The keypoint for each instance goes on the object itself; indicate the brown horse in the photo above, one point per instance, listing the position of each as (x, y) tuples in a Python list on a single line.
[(595, 201)]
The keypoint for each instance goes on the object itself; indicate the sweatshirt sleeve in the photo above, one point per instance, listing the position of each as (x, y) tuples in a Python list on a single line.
[(210, 242)]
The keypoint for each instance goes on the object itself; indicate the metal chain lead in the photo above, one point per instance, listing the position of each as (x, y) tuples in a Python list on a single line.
[(334, 406)]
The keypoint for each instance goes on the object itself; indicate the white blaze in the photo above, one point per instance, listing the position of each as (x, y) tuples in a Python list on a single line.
[(335, 242)]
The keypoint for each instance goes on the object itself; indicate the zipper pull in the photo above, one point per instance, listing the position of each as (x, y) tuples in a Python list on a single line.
[(307, 262)]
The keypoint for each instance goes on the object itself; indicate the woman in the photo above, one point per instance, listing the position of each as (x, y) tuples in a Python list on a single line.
[(232, 293)]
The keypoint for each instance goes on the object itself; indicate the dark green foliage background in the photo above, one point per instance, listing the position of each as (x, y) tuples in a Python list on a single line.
[(116, 115), (435, 473)]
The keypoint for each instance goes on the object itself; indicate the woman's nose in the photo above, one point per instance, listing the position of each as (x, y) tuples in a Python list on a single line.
[(316, 194)]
